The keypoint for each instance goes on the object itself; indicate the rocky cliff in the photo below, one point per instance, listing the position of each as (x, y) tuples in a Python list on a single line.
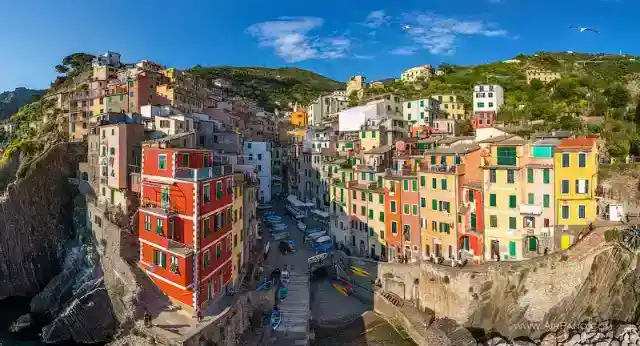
[(593, 280), (36, 221)]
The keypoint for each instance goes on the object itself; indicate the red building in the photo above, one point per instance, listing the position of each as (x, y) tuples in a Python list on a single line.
[(471, 232), (185, 223), (481, 120)]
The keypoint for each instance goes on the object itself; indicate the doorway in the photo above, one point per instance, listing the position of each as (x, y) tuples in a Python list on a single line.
[(495, 249)]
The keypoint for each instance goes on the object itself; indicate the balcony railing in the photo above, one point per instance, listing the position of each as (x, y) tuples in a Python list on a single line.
[(175, 246), (500, 161), (196, 174), (159, 208), (370, 168), (530, 209), (404, 172), (451, 169)]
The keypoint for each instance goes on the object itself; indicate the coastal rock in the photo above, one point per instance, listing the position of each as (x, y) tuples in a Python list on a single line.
[(35, 225), (87, 319), (21, 323)]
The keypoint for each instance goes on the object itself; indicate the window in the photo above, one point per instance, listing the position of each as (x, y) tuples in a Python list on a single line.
[(394, 227), (159, 227), (582, 212), (511, 178), (434, 183), (492, 200), (490, 104), (147, 222), (480, 104), (423, 202), (218, 250), (414, 185), (582, 160), (546, 201), (370, 214), (492, 175), (219, 190), (512, 201), (443, 183), (415, 209), (206, 227), (565, 187), (159, 258), (546, 176), (407, 232), (471, 196), (405, 185), (406, 209), (206, 193), (512, 223), (363, 196), (162, 161), (493, 221), (582, 186), (408, 104), (565, 212), (506, 156), (529, 175), (530, 198), (434, 204), (565, 160), (393, 207), (381, 216), (112, 151), (174, 264), (381, 198)]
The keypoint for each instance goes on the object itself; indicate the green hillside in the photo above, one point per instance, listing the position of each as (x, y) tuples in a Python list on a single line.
[(593, 85), (272, 87), (11, 101)]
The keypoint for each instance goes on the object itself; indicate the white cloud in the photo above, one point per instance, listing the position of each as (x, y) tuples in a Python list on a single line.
[(438, 34), (290, 37), (364, 57), (404, 51), (376, 19)]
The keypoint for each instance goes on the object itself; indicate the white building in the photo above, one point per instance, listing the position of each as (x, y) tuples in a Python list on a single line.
[(258, 154), (107, 59), (415, 73), (421, 112), (487, 98), (382, 111), (326, 105)]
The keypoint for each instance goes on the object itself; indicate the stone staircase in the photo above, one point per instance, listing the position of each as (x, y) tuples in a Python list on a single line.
[(294, 327)]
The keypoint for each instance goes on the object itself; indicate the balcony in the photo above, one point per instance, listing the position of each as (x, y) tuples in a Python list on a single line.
[(530, 209), (404, 172), (506, 161), (370, 168), (175, 246), (196, 174), (165, 210), (368, 186), (444, 169)]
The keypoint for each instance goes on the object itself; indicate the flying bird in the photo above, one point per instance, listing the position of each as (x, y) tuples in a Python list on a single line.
[(583, 29), (406, 27)]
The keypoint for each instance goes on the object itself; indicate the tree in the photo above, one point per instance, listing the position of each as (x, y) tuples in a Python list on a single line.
[(617, 96), (466, 128), (62, 69), (353, 99), (536, 84), (637, 115)]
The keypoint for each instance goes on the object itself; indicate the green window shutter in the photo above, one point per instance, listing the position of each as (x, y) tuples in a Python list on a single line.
[(363, 211), (373, 134), (121, 97), (471, 196), (512, 223), (363, 176), (546, 178), (381, 216), (406, 209), (472, 221), (156, 257), (406, 185), (434, 204), (354, 194), (393, 206), (492, 200), (380, 183), (163, 260), (565, 160), (162, 161), (433, 160), (434, 183), (512, 201), (443, 182), (512, 248), (423, 202), (363, 196), (371, 214), (421, 115), (530, 198), (415, 210), (493, 221), (381, 199), (370, 197), (530, 175), (546, 201), (414, 185)]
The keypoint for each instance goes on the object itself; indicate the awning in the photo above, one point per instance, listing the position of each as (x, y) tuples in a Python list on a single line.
[(320, 213)]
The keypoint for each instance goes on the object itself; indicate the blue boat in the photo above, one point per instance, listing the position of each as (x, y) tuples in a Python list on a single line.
[(282, 293), (265, 286), (276, 318), (323, 244)]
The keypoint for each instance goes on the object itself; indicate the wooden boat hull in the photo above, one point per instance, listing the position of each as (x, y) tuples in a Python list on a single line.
[(359, 271), (340, 289)]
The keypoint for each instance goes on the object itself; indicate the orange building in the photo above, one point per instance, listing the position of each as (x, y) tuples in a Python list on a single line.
[(299, 119), (185, 222), (393, 222)]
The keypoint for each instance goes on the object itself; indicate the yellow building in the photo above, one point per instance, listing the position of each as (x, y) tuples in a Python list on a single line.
[(237, 224), (502, 183), (576, 180), (544, 76), (299, 119), (450, 105), (372, 138)]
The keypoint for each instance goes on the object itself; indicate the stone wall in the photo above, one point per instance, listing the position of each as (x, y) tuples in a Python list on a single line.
[(37, 220), (592, 280)]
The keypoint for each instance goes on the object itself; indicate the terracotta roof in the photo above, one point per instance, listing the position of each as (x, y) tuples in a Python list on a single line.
[(380, 150), (577, 143)]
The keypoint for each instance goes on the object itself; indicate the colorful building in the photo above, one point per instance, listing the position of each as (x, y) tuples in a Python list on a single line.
[(503, 170), (450, 106), (471, 220), (185, 224), (576, 180), (299, 119)]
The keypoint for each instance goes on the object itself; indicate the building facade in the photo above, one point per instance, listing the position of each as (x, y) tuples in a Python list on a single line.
[(417, 73), (258, 154)]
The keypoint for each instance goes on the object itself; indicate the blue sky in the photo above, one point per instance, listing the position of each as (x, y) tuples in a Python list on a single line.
[(337, 38)]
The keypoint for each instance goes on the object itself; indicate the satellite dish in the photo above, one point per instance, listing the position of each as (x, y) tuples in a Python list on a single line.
[(400, 146)]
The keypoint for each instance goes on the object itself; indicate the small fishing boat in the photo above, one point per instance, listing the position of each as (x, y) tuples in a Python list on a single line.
[(282, 293), (281, 235), (345, 284), (284, 278), (265, 286), (276, 318), (359, 271), (340, 288), (301, 226)]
